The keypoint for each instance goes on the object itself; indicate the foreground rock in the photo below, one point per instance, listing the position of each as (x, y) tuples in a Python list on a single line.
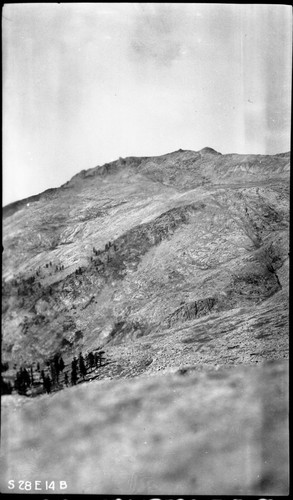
[(218, 432)]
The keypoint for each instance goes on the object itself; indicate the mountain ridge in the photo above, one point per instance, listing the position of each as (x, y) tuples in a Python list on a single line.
[(10, 208), (140, 240), (176, 269)]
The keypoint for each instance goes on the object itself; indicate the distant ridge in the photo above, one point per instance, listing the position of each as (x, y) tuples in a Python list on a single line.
[(13, 207), (111, 167), (209, 151)]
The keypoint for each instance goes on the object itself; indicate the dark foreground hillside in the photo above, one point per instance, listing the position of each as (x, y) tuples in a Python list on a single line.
[(215, 432)]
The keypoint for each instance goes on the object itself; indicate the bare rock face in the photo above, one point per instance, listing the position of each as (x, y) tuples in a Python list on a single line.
[(171, 263), (191, 311)]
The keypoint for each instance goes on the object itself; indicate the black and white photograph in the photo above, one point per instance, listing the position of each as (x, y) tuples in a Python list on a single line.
[(145, 249)]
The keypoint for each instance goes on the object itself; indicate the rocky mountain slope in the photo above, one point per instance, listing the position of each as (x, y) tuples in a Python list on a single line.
[(175, 265), (190, 234)]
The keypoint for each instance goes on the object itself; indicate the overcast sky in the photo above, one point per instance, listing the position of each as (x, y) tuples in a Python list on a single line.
[(86, 83)]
